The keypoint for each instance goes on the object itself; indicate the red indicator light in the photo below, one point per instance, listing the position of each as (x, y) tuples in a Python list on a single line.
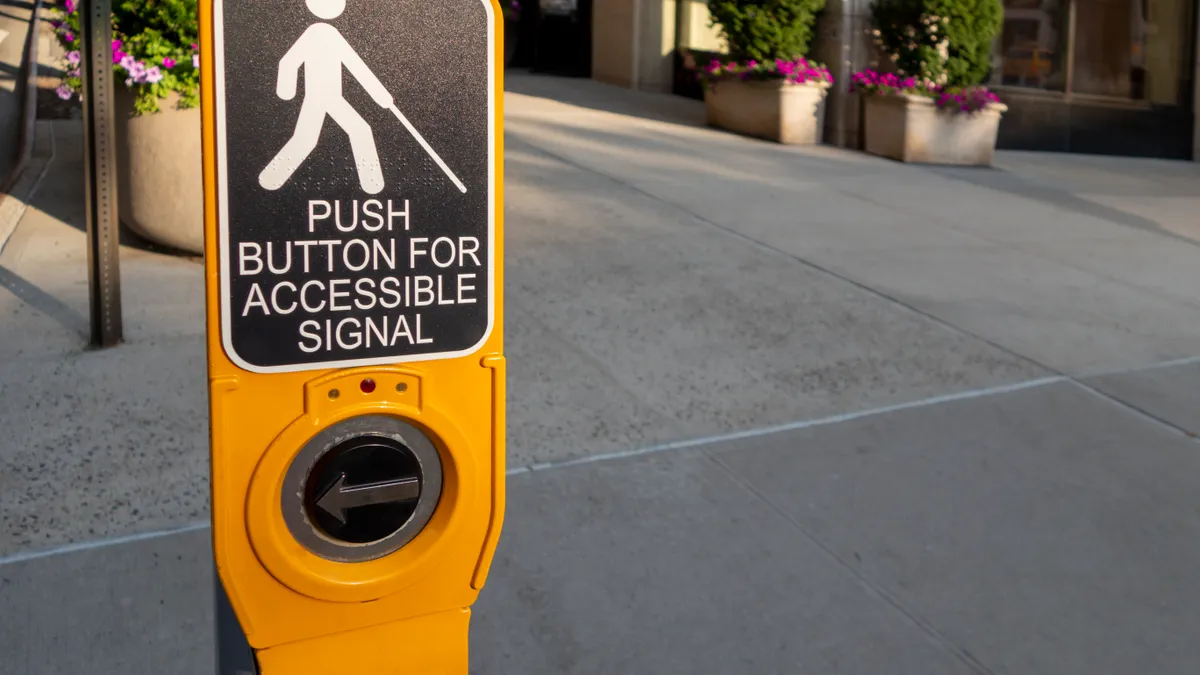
[(367, 385)]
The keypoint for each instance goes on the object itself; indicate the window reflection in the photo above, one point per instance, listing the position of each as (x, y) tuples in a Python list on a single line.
[(1032, 45), (1129, 49), (1132, 48), (1109, 38)]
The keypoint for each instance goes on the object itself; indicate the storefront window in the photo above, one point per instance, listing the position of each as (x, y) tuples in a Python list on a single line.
[(1110, 37), (1032, 48), (1130, 49), (1134, 49)]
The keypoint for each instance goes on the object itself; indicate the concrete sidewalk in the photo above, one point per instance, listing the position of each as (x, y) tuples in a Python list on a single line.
[(771, 410)]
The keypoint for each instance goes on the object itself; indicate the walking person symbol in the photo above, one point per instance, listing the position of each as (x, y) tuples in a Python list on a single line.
[(323, 52)]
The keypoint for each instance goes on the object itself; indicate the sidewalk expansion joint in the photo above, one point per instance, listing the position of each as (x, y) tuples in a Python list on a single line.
[(1056, 373), (939, 640), (699, 443), (695, 443), (705, 441)]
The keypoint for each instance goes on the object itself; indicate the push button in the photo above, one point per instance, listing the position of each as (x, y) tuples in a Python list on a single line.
[(362, 489)]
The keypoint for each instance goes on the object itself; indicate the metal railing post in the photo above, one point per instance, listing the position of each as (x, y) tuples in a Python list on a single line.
[(100, 168)]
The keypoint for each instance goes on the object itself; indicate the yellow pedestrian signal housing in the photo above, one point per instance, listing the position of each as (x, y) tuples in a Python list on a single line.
[(354, 275)]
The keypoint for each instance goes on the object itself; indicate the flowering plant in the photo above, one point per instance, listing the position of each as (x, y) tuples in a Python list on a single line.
[(765, 30), (872, 82), (966, 99), (920, 49), (952, 99), (512, 10), (947, 41), (154, 50), (797, 71)]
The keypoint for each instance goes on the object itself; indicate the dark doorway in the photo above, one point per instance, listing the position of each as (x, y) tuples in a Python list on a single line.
[(562, 41)]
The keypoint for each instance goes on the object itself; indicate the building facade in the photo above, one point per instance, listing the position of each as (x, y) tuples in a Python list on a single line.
[(1091, 76)]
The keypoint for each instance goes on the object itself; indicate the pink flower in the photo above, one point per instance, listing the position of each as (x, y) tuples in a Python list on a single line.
[(118, 56), (195, 60), (69, 36), (168, 63), (70, 6), (138, 72), (116, 45), (73, 57), (64, 92)]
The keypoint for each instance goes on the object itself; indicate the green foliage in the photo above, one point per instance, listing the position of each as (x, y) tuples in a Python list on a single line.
[(765, 30), (947, 41), (154, 50)]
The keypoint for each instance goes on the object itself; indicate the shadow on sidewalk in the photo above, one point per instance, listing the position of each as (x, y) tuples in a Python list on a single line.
[(606, 98), (10, 123), (44, 302), (1030, 188), (61, 194), (1030, 183), (1069, 183)]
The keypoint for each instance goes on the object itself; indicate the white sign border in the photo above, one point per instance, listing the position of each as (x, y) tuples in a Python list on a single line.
[(223, 217)]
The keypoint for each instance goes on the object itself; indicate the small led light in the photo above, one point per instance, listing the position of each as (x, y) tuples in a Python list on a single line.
[(367, 385), (334, 393), (402, 387)]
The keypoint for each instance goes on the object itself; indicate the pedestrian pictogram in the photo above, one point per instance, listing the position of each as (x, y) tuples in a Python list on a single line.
[(322, 52), (356, 218)]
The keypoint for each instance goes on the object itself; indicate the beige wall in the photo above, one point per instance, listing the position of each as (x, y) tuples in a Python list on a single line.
[(612, 46), (694, 30), (1168, 31), (640, 54), (657, 33)]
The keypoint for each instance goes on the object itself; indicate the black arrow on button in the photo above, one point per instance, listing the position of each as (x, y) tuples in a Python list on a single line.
[(339, 497)]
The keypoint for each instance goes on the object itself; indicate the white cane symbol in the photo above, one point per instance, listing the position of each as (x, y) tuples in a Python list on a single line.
[(421, 139), (323, 52)]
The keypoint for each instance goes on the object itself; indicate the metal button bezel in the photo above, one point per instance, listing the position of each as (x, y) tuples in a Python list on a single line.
[(292, 498)]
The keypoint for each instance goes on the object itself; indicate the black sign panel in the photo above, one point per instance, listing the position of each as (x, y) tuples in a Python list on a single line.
[(355, 154)]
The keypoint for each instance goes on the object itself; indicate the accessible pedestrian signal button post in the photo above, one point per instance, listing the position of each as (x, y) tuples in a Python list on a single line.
[(356, 225), (357, 379)]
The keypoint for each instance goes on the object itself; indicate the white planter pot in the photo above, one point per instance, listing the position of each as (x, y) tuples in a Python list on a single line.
[(770, 109), (159, 174), (912, 129)]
